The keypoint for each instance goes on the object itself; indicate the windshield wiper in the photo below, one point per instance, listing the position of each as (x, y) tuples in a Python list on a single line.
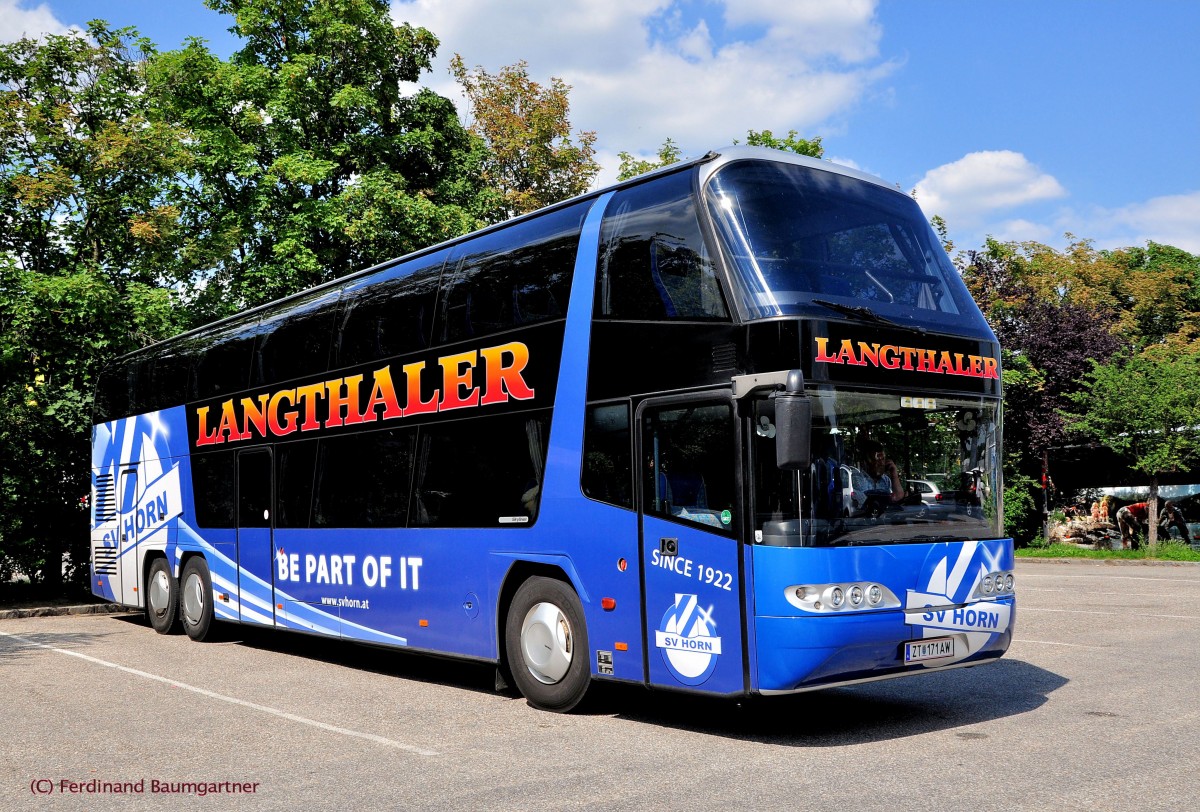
[(863, 313)]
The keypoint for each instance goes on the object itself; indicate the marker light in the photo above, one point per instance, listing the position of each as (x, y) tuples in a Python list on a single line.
[(832, 598)]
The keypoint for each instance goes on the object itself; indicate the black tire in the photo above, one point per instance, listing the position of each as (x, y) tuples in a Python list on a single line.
[(162, 598), (195, 599), (547, 646)]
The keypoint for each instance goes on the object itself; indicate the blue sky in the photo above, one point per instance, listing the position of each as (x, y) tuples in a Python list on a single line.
[(1021, 119)]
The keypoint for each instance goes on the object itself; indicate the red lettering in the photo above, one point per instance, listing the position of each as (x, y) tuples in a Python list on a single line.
[(255, 415), (274, 413), (309, 396), (202, 435), (822, 356), (383, 393), (505, 381), (415, 405), (455, 378), (343, 395)]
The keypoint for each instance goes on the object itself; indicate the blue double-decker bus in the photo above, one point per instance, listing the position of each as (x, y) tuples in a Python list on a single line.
[(732, 427)]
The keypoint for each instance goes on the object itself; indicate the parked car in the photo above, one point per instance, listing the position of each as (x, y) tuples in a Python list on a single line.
[(929, 493)]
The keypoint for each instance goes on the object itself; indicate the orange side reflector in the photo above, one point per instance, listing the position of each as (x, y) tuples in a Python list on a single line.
[(135, 589), (608, 604), (621, 646), (280, 606), (423, 623)]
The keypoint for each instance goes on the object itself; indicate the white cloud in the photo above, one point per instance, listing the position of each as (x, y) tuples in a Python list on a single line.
[(1169, 219), (980, 184), (17, 22), (640, 72)]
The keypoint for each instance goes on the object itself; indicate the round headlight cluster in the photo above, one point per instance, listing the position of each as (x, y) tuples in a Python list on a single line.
[(995, 584), (841, 597)]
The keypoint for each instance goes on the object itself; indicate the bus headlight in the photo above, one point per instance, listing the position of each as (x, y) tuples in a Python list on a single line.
[(993, 585), (834, 598)]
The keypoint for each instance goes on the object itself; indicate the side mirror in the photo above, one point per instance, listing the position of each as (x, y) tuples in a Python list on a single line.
[(793, 420)]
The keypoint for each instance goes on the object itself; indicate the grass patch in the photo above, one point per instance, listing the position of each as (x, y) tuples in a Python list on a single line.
[(1166, 551)]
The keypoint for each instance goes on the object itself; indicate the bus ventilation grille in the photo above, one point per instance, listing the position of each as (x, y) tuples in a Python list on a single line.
[(724, 357), (106, 499), (105, 560)]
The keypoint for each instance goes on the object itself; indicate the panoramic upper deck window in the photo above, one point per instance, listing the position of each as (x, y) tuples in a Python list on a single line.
[(795, 234), (653, 260)]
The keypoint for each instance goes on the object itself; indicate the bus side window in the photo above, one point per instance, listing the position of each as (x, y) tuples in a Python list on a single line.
[(225, 366), (481, 473), (295, 467), (295, 344), (382, 318), (363, 479), (653, 261), (214, 488), (508, 278), (689, 464), (607, 462)]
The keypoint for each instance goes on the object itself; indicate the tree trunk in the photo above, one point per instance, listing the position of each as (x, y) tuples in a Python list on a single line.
[(1153, 531)]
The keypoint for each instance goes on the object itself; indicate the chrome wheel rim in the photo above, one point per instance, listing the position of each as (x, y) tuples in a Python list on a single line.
[(160, 593), (193, 599), (547, 642)]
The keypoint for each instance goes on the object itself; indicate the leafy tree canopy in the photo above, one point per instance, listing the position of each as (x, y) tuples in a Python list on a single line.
[(531, 160)]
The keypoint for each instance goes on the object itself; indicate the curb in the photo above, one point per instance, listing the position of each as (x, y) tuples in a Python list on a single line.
[(1112, 562), (54, 611)]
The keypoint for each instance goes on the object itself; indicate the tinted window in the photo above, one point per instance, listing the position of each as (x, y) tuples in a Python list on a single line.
[(295, 465), (225, 366), (607, 462), (390, 313), (689, 460), (514, 276), (653, 260), (481, 473), (363, 480), (295, 343), (254, 489), (214, 488)]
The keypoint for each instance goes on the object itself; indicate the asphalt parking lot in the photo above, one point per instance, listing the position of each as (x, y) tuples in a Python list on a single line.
[(1095, 707)]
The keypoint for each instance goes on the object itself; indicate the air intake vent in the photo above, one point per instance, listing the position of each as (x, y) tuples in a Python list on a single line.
[(106, 499), (724, 357), (104, 560)]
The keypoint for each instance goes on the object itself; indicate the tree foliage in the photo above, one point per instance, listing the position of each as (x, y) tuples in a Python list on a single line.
[(307, 159), (531, 158), (86, 236), (1146, 407), (669, 153)]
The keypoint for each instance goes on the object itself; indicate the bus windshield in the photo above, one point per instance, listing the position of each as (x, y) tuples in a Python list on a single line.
[(796, 237), (886, 469)]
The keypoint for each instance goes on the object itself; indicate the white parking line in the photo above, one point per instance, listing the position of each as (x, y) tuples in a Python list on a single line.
[(1112, 614), (231, 700), (1023, 575), (1056, 643)]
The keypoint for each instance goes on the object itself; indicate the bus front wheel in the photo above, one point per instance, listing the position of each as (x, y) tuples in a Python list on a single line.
[(195, 598), (162, 597), (546, 641)]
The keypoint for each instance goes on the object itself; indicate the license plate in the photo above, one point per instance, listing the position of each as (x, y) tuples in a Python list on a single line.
[(933, 648)]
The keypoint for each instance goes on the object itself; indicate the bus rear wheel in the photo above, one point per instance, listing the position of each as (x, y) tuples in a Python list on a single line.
[(162, 597), (195, 598), (547, 646)]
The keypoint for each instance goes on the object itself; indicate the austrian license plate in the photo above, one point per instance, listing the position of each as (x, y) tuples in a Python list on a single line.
[(932, 648)]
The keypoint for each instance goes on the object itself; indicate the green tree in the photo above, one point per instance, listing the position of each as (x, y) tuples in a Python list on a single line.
[(308, 160), (532, 160), (669, 152), (1147, 407), (631, 166), (86, 240), (790, 143)]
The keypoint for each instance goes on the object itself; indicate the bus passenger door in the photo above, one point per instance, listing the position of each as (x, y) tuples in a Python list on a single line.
[(255, 549), (690, 550)]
